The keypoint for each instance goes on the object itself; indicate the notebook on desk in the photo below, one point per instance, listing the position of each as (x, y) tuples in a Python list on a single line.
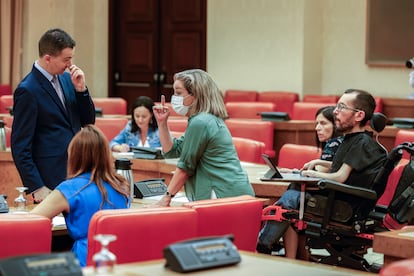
[(273, 174)]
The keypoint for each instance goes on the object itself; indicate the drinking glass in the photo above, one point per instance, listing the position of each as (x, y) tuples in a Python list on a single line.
[(20, 202), (104, 261)]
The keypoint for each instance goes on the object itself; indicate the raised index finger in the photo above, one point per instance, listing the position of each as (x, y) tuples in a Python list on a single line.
[(163, 100)]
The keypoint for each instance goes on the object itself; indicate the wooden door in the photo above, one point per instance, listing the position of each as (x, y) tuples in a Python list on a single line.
[(150, 40)]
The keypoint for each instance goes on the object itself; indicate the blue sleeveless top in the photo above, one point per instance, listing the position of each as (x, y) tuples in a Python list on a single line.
[(84, 201)]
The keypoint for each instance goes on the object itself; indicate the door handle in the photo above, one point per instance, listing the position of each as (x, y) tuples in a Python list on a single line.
[(159, 77)]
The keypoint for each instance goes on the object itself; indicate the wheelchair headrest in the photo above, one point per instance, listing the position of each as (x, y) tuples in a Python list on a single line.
[(378, 121)]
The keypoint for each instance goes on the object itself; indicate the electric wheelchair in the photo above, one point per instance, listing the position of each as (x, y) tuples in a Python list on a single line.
[(347, 231)]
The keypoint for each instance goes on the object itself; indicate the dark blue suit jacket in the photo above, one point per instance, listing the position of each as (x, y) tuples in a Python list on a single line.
[(42, 128)]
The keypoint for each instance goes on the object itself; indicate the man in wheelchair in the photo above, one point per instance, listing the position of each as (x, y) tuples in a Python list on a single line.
[(358, 164)]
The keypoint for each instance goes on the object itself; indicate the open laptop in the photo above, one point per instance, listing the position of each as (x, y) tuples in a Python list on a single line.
[(273, 174)]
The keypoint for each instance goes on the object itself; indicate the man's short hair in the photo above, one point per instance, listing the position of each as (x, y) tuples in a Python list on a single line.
[(364, 101), (54, 41)]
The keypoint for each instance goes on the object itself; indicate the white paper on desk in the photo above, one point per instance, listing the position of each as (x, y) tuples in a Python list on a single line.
[(407, 234), (129, 154), (247, 164), (180, 199), (58, 221)]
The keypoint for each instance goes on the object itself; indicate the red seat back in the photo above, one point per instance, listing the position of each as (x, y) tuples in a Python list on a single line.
[(249, 110), (249, 150), (306, 111), (111, 126), (5, 89), (317, 98), (111, 105), (141, 233), (239, 216), (379, 104), (262, 131), (392, 183), (24, 234), (399, 267), (6, 101), (283, 99), (178, 125), (295, 156), (236, 95)]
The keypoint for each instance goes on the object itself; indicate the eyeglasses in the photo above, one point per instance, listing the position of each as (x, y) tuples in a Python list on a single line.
[(341, 106)]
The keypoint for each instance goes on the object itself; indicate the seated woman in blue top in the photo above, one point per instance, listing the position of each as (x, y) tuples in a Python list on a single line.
[(208, 165), (91, 185), (141, 130)]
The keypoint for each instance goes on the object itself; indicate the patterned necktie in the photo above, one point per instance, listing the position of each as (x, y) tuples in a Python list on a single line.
[(58, 90)]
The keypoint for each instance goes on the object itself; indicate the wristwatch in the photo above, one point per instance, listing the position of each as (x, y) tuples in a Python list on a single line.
[(167, 193)]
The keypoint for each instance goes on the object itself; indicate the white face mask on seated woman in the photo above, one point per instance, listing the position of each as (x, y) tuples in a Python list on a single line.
[(177, 103)]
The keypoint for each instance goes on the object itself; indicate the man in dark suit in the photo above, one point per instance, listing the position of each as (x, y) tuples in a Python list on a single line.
[(50, 106)]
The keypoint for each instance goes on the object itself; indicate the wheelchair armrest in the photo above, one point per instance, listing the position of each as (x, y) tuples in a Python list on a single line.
[(344, 188), (378, 213), (381, 208)]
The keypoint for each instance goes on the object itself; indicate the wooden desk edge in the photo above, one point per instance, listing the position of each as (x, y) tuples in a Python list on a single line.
[(154, 267), (393, 245)]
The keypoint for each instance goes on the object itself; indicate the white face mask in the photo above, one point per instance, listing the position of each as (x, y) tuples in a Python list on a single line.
[(177, 103), (411, 80)]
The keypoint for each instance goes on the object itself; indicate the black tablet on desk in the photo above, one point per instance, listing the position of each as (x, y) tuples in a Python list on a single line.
[(275, 116), (273, 174)]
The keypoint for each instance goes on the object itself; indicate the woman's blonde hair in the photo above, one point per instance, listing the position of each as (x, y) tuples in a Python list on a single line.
[(207, 96), (89, 152)]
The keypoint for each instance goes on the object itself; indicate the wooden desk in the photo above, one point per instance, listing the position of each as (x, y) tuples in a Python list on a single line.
[(251, 264), (398, 107), (164, 168), (395, 245), (9, 178), (142, 169)]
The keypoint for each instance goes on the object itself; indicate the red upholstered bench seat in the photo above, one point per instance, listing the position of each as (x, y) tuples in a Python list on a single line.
[(143, 233)]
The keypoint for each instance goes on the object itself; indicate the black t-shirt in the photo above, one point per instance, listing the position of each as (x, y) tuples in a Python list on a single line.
[(366, 157)]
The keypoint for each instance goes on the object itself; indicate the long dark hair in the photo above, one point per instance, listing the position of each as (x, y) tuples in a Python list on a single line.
[(148, 103), (328, 113), (89, 152)]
